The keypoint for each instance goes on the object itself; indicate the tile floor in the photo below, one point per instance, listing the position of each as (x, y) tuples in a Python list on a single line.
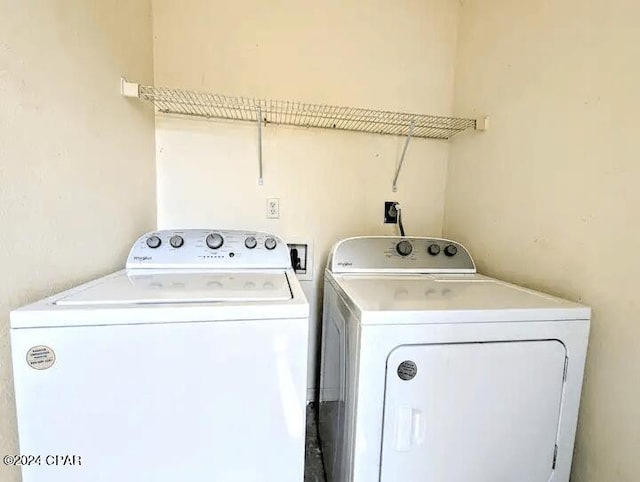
[(313, 469)]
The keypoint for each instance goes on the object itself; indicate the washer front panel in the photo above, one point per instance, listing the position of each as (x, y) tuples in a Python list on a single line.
[(165, 402)]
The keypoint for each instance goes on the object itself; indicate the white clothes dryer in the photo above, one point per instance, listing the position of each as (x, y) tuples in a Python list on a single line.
[(432, 372), (190, 364)]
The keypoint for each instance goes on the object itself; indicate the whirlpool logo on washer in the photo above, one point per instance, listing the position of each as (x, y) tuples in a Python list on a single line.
[(142, 258), (345, 263), (40, 357)]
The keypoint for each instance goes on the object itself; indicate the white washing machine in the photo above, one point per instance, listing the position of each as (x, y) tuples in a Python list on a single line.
[(189, 365), (432, 372)]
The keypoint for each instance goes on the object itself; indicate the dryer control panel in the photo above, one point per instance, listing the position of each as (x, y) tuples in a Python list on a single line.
[(209, 248), (380, 254)]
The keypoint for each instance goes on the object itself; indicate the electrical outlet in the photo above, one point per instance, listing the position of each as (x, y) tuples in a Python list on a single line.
[(273, 208), (390, 212)]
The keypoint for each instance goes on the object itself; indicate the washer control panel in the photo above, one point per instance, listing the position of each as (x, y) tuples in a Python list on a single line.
[(375, 254), (209, 248)]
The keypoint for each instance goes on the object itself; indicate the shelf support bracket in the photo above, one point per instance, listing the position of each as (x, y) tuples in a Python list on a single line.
[(260, 179), (129, 89), (482, 123), (404, 153)]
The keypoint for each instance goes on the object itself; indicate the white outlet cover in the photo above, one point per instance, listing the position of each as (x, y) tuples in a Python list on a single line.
[(273, 208)]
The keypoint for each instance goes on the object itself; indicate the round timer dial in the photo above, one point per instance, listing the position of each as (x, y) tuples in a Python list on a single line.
[(176, 241), (153, 242), (250, 242), (404, 248), (214, 240), (450, 250)]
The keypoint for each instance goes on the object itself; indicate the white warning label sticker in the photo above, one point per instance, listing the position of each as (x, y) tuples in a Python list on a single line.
[(41, 357)]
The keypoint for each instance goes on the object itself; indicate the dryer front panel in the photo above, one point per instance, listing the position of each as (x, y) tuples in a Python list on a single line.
[(482, 412)]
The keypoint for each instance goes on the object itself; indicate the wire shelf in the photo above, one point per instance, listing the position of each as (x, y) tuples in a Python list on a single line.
[(208, 105), (260, 111)]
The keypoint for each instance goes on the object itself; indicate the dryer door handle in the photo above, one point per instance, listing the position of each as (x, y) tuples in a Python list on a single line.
[(410, 429)]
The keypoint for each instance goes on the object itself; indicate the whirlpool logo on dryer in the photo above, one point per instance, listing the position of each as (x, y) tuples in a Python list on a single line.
[(345, 263), (142, 258)]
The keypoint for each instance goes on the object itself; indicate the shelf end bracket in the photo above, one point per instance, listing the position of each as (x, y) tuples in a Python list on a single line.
[(260, 178), (482, 123), (404, 153), (129, 89)]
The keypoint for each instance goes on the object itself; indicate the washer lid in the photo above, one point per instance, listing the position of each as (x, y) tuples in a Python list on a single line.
[(148, 287)]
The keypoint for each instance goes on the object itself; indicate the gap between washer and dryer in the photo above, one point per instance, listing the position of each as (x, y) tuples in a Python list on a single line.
[(313, 467)]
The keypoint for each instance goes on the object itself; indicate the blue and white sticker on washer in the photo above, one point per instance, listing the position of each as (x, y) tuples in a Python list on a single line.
[(41, 357)]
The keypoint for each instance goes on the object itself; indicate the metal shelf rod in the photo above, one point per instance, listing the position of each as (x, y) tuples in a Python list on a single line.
[(404, 153), (260, 178)]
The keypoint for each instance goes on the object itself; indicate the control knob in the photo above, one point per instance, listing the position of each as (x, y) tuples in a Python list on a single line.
[(176, 241), (250, 242), (404, 248), (450, 250), (214, 241), (433, 249), (270, 243), (153, 242)]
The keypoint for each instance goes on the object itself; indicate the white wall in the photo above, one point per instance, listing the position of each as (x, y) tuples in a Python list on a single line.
[(548, 197), (77, 175), (387, 55)]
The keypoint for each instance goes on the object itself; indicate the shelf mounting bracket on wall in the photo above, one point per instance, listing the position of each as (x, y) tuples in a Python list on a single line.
[(260, 179), (404, 153), (129, 89)]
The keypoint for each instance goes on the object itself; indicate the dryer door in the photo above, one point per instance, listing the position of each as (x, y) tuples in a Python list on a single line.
[(481, 412)]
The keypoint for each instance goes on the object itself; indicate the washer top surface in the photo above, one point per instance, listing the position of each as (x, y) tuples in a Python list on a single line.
[(385, 282), (135, 287), (180, 276)]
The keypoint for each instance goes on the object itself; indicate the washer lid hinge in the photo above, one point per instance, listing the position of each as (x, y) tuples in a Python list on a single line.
[(555, 457)]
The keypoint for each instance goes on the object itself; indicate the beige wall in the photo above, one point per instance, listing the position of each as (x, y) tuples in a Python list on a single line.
[(389, 55), (76, 159), (548, 197)]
